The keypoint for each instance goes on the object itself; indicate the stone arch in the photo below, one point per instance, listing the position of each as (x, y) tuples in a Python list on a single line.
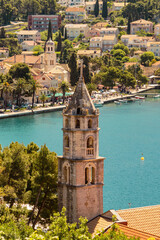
[(77, 123), (90, 173), (66, 141), (66, 173), (90, 123), (90, 142), (78, 111), (90, 146)]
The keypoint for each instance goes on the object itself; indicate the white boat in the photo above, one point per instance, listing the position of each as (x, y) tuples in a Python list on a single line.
[(157, 96), (98, 103), (139, 97), (117, 102), (123, 101)]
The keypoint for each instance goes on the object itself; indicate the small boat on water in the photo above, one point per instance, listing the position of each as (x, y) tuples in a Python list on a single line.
[(117, 102), (157, 96), (98, 103), (123, 100), (139, 97)]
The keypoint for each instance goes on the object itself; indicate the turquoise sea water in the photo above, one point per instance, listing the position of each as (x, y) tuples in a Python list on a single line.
[(127, 131)]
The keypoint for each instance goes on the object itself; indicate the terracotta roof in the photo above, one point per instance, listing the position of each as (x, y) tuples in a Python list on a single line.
[(98, 224), (20, 59), (142, 21), (146, 219), (27, 32), (75, 9), (130, 232)]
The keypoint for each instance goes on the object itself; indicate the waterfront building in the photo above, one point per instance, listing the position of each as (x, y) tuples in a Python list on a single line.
[(141, 24), (28, 35), (109, 31), (28, 45), (154, 47), (40, 22), (80, 169), (89, 53), (89, 6), (74, 30), (157, 29), (75, 13)]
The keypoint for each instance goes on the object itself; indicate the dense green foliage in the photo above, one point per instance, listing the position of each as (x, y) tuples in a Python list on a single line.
[(19, 10), (29, 175), (13, 226)]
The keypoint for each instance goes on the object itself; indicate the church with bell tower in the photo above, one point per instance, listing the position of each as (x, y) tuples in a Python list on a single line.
[(80, 169)]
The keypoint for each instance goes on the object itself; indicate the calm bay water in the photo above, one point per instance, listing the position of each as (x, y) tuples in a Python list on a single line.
[(127, 131)]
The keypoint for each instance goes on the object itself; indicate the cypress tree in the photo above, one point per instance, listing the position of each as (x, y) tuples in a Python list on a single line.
[(96, 8), (49, 31), (128, 25), (73, 67), (65, 35), (2, 33), (59, 45), (86, 72), (104, 9)]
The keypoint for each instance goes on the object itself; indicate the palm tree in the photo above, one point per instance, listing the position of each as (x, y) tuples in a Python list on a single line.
[(53, 91), (20, 87), (34, 85), (64, 87), (6, 89), (43, 98)]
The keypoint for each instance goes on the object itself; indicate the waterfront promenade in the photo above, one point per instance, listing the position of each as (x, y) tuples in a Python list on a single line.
[(46, 109)]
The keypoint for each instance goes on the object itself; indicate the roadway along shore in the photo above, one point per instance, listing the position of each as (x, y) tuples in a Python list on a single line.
[(61, 107)]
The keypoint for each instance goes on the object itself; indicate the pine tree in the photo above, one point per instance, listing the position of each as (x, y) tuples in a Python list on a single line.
[(73, 67), (105, 9), (96, 8), (59, 45), (49, 31)]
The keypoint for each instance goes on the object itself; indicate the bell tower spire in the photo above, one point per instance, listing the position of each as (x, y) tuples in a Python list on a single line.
[(80, 169)]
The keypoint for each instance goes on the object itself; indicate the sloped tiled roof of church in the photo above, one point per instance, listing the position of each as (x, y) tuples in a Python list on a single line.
[(81, 100)]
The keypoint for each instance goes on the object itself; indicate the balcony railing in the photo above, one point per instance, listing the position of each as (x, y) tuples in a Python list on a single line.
[(90, 151)]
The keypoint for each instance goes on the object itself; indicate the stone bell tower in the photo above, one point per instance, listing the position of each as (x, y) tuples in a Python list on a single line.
[(80, 169), (49, 56)]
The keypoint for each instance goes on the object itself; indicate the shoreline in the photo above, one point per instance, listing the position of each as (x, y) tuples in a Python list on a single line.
[(59, 108)]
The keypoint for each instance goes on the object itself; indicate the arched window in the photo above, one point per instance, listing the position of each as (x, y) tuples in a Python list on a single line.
[(92, 175), (48, 49), (66, 142), (77, 123), (90, 146), (78, 111), (89, 123), (51, 48), (90, 142), (66, 123), (66, 173), (86, 175)]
